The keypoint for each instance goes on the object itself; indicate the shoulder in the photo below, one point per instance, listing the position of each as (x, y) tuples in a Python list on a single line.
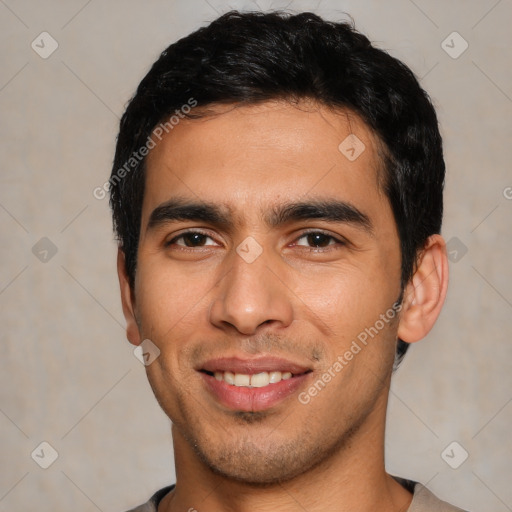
[(152, 504), (424, 501)]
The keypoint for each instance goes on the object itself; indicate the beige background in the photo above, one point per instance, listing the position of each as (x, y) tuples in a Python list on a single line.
[(68, 377)]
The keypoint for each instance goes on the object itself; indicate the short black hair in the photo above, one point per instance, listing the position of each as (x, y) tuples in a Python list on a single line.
[(252, 57)]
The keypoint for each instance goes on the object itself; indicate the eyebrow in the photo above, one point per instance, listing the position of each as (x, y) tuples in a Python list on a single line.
[(180, 209), (329, 210)]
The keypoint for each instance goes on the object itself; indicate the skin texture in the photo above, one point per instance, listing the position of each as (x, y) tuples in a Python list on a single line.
[(304, 299)]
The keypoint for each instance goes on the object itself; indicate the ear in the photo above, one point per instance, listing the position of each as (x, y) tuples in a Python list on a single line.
[(127, 300), (425, 293)]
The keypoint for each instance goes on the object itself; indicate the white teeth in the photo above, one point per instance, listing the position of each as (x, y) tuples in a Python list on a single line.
[(258, 380), (242, 379), (275, 377), (229, 377)]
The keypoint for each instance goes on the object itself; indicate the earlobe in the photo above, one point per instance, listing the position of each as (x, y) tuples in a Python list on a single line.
[(425, 294), (127, 300)]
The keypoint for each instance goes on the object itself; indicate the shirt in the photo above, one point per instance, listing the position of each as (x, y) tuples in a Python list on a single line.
[(423, 500)]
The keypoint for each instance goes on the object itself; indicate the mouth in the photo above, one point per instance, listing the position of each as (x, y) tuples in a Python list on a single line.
[(252, 385), (256, 380)]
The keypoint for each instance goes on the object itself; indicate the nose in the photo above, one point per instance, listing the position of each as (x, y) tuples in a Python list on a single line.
[(250, 296)]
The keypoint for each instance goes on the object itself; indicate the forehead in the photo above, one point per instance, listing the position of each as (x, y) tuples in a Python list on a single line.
[(249, 158)]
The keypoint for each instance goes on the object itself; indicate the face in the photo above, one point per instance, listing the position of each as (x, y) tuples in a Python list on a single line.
[(266, 250)]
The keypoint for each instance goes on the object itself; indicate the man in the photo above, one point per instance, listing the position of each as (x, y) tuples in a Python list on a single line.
[(277, 196)]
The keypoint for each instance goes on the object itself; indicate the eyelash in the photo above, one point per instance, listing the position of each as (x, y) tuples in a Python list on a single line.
[(330, 246), (185, 233), (302, 235)]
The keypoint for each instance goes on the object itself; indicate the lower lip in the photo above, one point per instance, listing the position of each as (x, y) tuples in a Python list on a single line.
[(253, 399)]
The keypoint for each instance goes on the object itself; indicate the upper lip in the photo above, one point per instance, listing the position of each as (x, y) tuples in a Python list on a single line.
[(252, 366)]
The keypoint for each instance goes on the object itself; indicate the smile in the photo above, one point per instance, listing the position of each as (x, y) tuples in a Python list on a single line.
[(257, 380), (252, 384)]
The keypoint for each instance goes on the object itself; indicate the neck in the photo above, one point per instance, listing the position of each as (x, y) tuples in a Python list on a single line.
[(352, 478)]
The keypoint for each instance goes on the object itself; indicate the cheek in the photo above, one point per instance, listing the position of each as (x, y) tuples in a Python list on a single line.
[(168, 298), (345, 301), (337, 291)]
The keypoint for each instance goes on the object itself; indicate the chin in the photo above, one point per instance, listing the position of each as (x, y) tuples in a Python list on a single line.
[(259, 475), (258, 464)]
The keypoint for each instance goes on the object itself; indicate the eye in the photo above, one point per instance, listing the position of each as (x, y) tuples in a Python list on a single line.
[(191, 239), (317, 240)]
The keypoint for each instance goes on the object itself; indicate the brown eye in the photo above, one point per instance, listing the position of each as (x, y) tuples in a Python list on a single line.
[(317, 239), (191, 239)]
